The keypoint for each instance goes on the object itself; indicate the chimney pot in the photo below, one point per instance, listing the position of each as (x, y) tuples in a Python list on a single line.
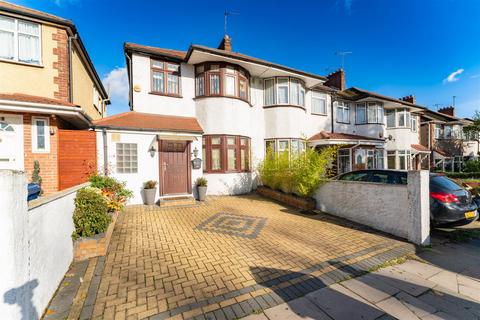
[(450, 111), (410, 98), (226, 43), (336, 80)]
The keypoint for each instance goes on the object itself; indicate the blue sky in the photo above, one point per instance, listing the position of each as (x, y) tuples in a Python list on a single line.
[(429, 48)]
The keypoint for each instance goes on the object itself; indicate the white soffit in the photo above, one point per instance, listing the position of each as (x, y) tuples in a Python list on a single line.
[(255, 69)]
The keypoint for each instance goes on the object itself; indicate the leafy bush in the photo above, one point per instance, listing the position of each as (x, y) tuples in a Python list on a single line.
[(472, 166), (297, 173), (150, 184), (462, 175), (114, 190), (201, 182), (91, 213)]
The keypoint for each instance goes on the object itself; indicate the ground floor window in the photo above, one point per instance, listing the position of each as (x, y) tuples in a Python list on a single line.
[(127, 158), (399, 159), (225, 153), (362, 159), (344, 161), (292, 146)]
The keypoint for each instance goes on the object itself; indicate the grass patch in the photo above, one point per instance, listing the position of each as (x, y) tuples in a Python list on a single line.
[(390, 263)]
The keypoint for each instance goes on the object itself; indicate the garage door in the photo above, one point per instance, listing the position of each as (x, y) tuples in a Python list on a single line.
[(11, 142)]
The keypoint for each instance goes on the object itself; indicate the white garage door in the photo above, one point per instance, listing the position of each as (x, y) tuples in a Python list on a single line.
[(11, 142)]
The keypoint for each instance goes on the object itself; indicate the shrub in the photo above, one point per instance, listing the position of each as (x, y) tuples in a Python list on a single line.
[(115, 192), (300, 173), (201, 182), (472, 166), (91, 213), (36, 178), (150, 184), (462, 175)]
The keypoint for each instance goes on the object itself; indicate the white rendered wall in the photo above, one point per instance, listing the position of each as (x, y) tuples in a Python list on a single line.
[(401, 210), (146, 102), (36, 247), (148, 166), (470, 149), (403, 138)]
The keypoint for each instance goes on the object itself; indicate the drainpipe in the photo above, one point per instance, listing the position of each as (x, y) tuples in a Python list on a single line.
[(105, 152), (70, 70), (130, 75)]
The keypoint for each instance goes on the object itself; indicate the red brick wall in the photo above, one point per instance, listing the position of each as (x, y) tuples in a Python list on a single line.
[(48, 161), (62, 66)]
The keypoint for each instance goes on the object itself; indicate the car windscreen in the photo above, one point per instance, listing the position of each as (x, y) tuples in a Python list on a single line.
[(355, 176), (442, 184)]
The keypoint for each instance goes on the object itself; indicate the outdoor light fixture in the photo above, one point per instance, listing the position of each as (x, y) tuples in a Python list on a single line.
[(152, 151), (195, 152)]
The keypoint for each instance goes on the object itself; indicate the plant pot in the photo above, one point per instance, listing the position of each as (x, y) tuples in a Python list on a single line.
[(150, 196), (202, 193)]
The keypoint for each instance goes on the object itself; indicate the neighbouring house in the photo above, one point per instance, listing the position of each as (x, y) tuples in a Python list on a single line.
[(214, 112), (442, 133), (48, 86)]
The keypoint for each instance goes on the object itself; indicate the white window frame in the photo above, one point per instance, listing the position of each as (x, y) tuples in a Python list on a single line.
[(414, 122), (345, 109), (274, 94), (35, 148), (437, 131), (15, 42), (278, 91), (319, 96), (407, 117), (364, 107)]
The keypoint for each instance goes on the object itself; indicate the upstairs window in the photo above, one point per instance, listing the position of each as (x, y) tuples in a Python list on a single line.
[(221, 79), (403, 118), (390, 118), (438, 131), (343, 112), (374, 112), (448, 132), (284, 91), (414, 120), (361, 113), (165, 78), (319, 103), (19, 40)]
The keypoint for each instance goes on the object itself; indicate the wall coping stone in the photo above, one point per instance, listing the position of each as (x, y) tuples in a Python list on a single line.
[(54, 196)]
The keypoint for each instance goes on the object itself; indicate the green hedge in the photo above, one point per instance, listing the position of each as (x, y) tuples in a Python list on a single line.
[(91, 213), (462, 175)]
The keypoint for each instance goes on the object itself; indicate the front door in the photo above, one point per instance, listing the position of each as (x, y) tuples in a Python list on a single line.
[(11, 142), (174, 167)]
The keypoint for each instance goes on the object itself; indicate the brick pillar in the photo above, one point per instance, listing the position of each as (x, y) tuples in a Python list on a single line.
[(62, 80)]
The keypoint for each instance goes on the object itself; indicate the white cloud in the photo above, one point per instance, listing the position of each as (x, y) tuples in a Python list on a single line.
[(116, 83), (454, 76)]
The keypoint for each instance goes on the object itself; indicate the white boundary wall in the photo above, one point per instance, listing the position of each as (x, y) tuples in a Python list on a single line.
[(36, 247), (401, 210)]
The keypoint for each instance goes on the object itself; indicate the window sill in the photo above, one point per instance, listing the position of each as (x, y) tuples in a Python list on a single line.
[(41, 151), (22, 63), (284, 106), (166, 94), (320, 114), (219, 96), (342, 122), (366, 124)]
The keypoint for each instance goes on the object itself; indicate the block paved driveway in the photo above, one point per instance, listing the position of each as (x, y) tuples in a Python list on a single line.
[(225, 259)]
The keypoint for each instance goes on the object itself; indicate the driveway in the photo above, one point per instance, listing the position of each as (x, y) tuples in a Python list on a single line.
[(226, 259)]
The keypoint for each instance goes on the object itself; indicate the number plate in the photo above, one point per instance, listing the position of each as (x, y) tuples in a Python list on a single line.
[(470, 214)]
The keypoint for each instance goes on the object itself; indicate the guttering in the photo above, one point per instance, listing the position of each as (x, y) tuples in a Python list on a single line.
[(133, 129), (70, 64), (105, 152), (9, 105)]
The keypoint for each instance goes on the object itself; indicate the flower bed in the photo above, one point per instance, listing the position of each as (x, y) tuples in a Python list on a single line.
[(303, 203)]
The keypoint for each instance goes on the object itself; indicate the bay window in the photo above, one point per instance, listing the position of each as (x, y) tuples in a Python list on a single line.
[(390, 118), (344, 161), (19, 40), (284, 90), (403, 117), (319, 103), (292, 146), (391, 160), (361, 113), (223, 154), (447, 132), (165, 78), (414, 120), (343, 112), (221, 79)]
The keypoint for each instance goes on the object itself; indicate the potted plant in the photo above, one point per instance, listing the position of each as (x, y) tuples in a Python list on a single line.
[(201, 184), (150, 189)]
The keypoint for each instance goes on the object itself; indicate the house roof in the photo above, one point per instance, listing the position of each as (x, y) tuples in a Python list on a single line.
[(35, 14), (355, 94), (324, 135), (133, 120), (420, 148), (34, 99), (185, 55)]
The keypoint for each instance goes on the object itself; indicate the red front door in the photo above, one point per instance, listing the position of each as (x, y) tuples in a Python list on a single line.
[(174, 167)]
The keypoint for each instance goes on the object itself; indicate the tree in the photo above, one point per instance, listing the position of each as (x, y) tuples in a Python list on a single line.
[(473, 130)]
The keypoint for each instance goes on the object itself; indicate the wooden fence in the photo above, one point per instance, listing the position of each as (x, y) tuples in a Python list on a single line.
[(77, 157)]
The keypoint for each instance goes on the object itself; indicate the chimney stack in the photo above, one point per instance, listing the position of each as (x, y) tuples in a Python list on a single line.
[(409, 98), (226, 43), (449, 111), (336, 80)]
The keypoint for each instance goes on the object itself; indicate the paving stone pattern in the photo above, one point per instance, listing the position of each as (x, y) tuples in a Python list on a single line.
[(228, 259)]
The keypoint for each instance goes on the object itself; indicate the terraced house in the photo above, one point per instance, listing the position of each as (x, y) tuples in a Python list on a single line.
[(47, 84), (214, 112)]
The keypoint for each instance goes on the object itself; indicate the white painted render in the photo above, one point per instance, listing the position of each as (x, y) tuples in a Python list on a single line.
[(148, 165), (471, 149)]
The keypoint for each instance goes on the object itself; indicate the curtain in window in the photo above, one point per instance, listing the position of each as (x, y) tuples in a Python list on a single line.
[(6, 45), (214, 84), (200, 85), (294, 90), (302, 96), (28, 42), (390, 118), (269, 92), (230, 85), (216, 161), (372, 113), (172, 83), (361, 116), (282, 88), (158, 82), (318, 103)]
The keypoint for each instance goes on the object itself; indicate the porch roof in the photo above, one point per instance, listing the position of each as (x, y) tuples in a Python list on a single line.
[(139, 121), (420, 148), (325, 137)]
